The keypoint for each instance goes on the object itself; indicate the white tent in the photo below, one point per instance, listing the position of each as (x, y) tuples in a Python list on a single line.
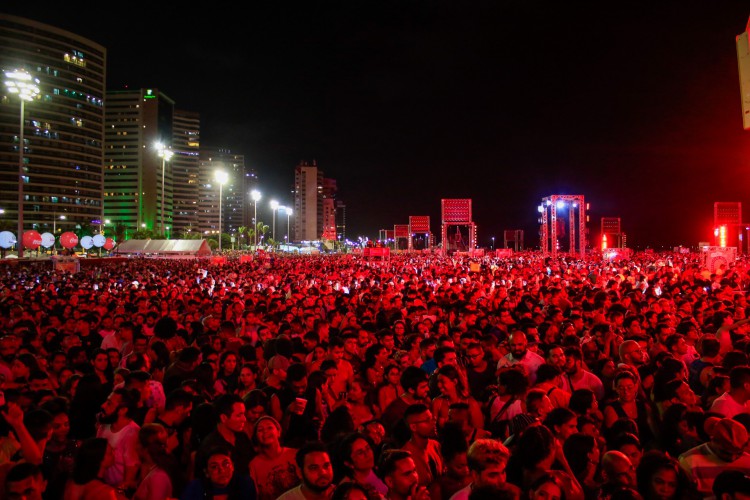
[(164, 248)]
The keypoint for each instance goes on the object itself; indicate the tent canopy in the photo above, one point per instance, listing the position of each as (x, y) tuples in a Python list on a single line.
[(195, 248)]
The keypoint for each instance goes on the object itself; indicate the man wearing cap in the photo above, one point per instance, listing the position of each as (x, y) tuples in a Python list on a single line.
[(725, 451)]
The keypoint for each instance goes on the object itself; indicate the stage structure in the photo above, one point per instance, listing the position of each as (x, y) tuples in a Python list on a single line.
[(728, 225), (514, 236), (419, 225), (385, 236), (612, 231), (456, 213), (401, 237), (551, 225)]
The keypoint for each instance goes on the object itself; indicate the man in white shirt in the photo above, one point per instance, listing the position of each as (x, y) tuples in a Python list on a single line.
[(121, 432), (578, 377), (735, 400), (520, 355)]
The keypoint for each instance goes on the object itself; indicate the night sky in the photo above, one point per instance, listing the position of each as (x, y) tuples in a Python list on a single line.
[(634, 105)]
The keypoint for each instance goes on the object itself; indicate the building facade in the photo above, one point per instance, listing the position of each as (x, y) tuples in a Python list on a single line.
[(234, 196), (308, 203), (137, 120), (185, 167), (63, 129)]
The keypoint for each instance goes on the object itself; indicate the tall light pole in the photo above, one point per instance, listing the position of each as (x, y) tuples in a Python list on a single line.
[(166, 155), (255, 195), (288, 213), (54, 231), (54, 222), (493, 243), (274, 207), (21, 82), (221, 177)]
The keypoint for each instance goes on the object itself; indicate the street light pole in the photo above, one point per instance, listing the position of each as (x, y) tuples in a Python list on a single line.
[(166, 155), (274, 207), (221, 178), (255, 194), (27, 87), (288, 213), (54, 230)]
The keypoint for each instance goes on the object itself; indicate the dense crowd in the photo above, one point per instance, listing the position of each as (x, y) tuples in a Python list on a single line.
[(414, 377)]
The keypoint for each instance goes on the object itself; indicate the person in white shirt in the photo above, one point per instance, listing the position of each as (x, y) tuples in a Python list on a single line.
[(520, 355), (735, 400), (121, 432)]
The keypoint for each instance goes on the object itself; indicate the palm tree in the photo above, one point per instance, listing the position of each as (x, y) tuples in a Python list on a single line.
[(240, 234), (262, 230)]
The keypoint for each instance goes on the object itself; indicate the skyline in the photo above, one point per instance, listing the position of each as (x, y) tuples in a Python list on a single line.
[(404, 103)]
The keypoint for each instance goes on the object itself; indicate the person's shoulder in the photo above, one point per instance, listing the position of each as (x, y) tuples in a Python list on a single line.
[(462, 494), (293, 494)]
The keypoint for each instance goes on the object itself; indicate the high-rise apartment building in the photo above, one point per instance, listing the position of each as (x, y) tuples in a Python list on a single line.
[(234, 198), (63, 129), (308, 183), (185, 168), (314, 204), (137, 120)]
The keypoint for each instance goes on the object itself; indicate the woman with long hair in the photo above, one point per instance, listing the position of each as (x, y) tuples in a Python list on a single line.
[(247, 380), (103, 369), (93, 458), (454, 390), (356, 399), (227, 379), (389, 388)]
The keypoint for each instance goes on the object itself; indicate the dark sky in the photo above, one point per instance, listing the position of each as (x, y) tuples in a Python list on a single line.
[(635, 105)]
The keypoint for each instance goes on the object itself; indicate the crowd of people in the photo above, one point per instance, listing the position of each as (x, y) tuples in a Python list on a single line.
[(415, 377)]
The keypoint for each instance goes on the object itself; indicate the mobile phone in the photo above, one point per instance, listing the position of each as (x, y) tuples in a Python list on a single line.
[(96, 287)]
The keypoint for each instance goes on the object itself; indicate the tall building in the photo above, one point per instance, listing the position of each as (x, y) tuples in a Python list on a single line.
[(308, 202), (63, 129), (341, 219), (327, 218), (185, 166), (234, 197), (136, 120)]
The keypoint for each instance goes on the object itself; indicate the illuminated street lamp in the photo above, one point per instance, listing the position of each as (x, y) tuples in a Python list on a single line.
[(21, 82), (54, 222), (274, 207), (493, 243), (221, 177), (255, 195), (165, 154), (289, 212), (54, 230)]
